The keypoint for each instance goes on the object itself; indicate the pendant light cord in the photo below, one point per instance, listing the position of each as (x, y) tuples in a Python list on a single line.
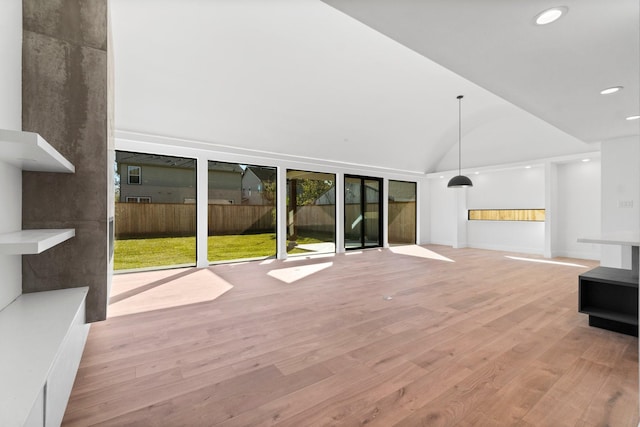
[(459, 134)]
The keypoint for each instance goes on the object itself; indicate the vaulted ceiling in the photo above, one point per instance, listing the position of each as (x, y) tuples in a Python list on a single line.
[(377, 84)]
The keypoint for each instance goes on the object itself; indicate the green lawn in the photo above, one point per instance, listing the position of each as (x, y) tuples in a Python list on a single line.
[(163, 251)]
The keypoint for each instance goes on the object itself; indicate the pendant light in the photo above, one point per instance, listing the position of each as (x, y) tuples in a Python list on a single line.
[(459, 181)]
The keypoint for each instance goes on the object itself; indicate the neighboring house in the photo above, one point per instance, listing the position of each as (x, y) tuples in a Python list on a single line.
[(166, 179), (225, 183), (256, 183), (155, 179)]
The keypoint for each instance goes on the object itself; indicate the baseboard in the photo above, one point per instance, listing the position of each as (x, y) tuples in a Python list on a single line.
[(507, 248), (575, 254)]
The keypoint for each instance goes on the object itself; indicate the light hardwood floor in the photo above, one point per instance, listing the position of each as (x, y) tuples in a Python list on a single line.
[(468, 338)]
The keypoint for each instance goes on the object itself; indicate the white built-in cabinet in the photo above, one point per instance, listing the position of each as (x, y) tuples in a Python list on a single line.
[(42, 334)]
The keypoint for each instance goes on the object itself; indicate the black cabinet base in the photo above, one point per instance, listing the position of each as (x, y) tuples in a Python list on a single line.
[(612, 325), (610, 297)]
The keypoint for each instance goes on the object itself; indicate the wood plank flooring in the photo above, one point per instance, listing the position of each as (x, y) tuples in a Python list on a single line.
[(467, 338)]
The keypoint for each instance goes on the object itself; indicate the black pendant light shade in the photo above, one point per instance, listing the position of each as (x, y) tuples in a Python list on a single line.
[(459, 181)]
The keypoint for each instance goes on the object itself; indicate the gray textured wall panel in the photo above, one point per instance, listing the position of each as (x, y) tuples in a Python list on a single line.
[(79, 22), (65, 100)]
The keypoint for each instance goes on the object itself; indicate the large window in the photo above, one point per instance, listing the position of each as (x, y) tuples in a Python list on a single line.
[(402, 212), (362, 212), (242, 212), (311, 212), (155, 222)]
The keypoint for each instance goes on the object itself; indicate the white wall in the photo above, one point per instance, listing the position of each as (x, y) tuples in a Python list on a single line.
[(578, 209), (506, 189), (442, 210), (11, 60), (620, 183), (423, 212), (509, 189), (10, 118), (576, 213), (506, 136)]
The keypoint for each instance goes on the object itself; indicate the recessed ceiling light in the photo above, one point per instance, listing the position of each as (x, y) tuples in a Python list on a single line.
[(586, 160), (633, 117), (441, 176), (610, 90), (551, 15), (477, 173), (528, 167)]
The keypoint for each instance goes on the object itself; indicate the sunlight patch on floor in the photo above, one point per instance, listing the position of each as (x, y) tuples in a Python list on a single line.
[(545, 261), (321, 248), (293, 274), (418, 251), (304, 257), (155, 290)]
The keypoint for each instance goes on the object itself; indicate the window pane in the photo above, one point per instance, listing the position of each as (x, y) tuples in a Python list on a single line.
[(507, 215), (372, 212), (402, 212), (242, 213), (133, 174), (311, 212), (155, 222), (352, 212)]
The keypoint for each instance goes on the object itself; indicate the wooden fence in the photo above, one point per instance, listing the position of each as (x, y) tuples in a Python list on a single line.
[(402, 222), (154, 219), (239, 219), (316, 218), (177, 219)]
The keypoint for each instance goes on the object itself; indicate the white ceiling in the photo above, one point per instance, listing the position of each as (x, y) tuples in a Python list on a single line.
[(299, 77), (555, 71)]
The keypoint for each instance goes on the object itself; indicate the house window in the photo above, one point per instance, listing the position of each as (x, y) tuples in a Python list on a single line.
[(536, 215), (140, 199), (134, 175)]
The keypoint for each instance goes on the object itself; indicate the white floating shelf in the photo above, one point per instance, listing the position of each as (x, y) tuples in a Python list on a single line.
[(28, 242), (30, 152)]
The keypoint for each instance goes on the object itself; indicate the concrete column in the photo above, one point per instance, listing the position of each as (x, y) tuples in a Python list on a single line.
[(65, 98)]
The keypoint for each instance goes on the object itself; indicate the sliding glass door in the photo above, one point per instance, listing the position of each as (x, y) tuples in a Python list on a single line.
[(362, 212)]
